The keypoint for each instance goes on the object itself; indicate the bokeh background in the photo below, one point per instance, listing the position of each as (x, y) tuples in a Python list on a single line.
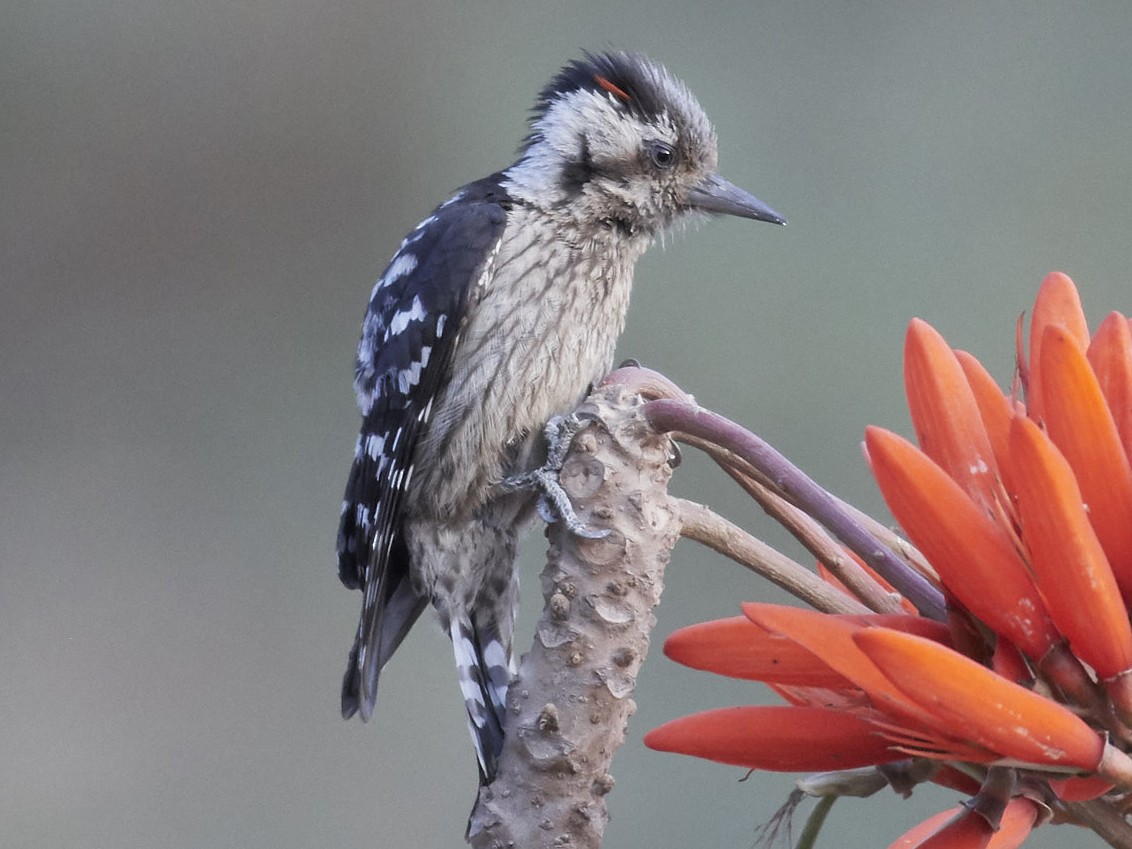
[(195, 198)]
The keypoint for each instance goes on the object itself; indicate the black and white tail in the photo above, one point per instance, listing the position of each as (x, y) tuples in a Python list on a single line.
[(485, 667)]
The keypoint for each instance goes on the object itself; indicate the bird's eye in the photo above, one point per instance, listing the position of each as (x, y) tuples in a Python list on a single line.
[(661, 155)]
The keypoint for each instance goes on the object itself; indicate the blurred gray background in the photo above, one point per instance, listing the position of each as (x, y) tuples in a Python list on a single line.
[(195, 198)]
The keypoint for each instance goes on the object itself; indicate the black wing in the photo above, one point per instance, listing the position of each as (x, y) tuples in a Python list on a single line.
[(411, 326)]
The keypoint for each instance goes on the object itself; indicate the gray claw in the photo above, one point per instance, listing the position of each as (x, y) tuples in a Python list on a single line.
[(559, 433), (554, 504)]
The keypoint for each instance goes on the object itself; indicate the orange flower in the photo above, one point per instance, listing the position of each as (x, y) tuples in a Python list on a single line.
[(1110, 355), (964, 697), (1057, 304), (975, 558), (914, 837), (946, 415), (1081, 425), (995, 411), (960, 828), (830, 638), (1022, 511), (1080, 788), (777, 738), (1068, 561), (739, 648)]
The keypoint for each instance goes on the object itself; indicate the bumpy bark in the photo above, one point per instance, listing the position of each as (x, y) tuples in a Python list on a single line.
[(569, 707)]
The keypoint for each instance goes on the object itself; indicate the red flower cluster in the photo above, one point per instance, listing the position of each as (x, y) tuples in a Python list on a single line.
[(1023, 509)]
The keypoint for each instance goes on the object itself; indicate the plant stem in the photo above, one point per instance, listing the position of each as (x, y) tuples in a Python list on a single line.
[(801, 491), (816, 820)]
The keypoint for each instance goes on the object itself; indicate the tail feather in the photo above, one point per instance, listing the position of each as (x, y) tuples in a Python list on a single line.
[(483, 661), (500, 669), (389, 609)]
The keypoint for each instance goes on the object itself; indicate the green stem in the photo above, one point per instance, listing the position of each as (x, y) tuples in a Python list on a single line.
[(816, 819)]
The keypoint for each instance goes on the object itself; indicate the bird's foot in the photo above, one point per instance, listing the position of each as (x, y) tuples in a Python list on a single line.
[(554, 504)]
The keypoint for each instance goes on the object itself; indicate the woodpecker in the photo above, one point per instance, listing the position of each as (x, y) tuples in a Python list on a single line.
[(494, 315)]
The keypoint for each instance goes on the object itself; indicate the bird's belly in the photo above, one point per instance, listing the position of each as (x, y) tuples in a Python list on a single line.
[(530, 350)]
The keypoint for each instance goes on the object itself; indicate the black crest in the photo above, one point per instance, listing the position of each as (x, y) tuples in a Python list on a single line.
[(629, 78)]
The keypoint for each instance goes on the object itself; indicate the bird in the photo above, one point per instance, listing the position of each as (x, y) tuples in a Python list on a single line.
[(497, 313)]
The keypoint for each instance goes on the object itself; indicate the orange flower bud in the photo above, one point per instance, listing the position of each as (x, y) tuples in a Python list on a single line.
[(971, 702), (1069, 564), (946, 416), (778, 738), (974, 557)]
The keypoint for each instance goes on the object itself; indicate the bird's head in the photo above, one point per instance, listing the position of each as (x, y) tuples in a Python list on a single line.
[(618, 140)]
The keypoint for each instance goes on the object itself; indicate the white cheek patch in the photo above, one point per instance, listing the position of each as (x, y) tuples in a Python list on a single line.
[(577, 122), (609, 132)]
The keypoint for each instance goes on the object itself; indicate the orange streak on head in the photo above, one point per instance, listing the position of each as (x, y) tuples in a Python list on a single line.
[(611, 88)]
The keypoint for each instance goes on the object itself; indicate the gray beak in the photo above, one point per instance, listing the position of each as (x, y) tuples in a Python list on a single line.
[(718, 196)]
